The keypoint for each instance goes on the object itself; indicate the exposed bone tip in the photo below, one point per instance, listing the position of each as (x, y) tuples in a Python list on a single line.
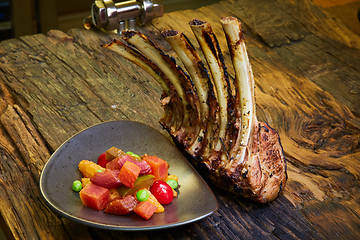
[(169, 33), (228, 20), (128, 34), (196, 22)]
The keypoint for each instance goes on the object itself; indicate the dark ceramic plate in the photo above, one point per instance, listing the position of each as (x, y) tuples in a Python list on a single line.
[(195, 201)]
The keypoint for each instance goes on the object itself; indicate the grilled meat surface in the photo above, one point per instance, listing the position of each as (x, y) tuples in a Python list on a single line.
[(215, 125)]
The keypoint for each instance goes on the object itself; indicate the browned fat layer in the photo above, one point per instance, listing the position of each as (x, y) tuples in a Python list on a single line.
[(196, 22)]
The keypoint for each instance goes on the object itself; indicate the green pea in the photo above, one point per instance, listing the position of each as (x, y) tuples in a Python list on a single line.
[(172, 183), (99, 170), (76, 186), (142, 195)]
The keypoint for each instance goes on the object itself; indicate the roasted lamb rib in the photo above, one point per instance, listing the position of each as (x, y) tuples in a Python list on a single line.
[(214, 123)]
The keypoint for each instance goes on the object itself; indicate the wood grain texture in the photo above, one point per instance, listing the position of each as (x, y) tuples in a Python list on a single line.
[(307, 87)]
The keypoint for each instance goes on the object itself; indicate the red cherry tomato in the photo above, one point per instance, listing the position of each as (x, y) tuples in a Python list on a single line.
[(102, 160), (162, 191)]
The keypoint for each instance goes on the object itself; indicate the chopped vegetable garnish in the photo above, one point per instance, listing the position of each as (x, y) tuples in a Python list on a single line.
[(174, 177), (129, 173), (145, 209), (144, 181), (159, 167), (172, 183), (94, 196), (76, 186), (102, 160), (137, 157), (112, 153), (88, 168), (155, 202), (85, 181), (122, 183), (174, 193), (142, 195)]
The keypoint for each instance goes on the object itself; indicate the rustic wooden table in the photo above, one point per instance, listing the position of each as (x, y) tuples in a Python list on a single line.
[(307, 73)]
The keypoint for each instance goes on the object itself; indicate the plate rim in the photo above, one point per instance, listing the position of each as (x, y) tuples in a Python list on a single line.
[(110, 226)]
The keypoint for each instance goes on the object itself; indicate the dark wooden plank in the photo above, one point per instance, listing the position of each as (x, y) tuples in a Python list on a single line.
[(23, 209), (322, 215)]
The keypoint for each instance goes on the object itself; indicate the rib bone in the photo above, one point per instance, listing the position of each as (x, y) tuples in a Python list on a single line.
[(173, 114), (244, 87), (182, 84), (199, 76), (133, 55), (210, 47)]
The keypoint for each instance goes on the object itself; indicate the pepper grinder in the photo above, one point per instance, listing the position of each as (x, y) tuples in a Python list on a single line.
[(117, 15)]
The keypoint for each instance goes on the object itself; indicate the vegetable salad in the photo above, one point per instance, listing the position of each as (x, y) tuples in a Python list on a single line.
[(124, 182)]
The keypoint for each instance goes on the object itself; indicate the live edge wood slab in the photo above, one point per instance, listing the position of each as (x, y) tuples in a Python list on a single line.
[(307, 73)]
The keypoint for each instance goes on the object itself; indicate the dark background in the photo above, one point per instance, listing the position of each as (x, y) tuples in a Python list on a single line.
[(23, 17)]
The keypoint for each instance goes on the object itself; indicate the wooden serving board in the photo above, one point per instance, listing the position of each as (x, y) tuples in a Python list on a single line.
[(307, 73)]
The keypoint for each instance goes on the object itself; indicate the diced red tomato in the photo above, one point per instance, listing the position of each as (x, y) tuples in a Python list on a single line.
[(108, 179), (129, 173), (162, 191), (145, 209), (94, 196), (102, 160), (121, 206), (118, 162), (159, 167)]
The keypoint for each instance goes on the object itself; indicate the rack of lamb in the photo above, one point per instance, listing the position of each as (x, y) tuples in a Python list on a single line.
[(212, 116)]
